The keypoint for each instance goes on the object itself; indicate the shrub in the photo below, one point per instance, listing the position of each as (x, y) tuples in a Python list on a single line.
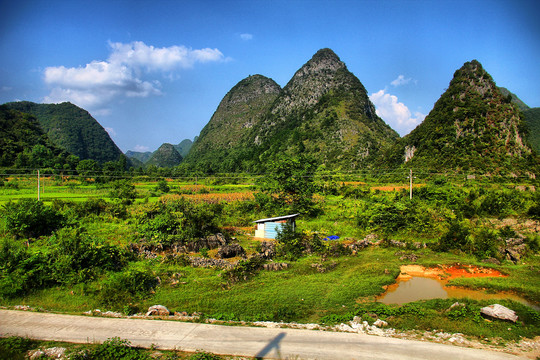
[(124, 191), (31, 218), (22, 271), (14, 347), (112, 349), (79, 258), (126, 287), (457, 237), (290, 243)]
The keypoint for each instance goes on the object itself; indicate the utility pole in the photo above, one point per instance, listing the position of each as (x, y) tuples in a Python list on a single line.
[(38, 184), (410, 182)]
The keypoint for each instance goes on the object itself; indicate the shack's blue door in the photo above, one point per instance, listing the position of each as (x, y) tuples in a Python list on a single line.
[(270, 229)]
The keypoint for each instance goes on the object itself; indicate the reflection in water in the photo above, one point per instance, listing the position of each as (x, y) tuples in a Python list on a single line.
[(423, 288)]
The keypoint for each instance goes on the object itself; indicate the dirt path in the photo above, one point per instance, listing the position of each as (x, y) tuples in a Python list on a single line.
[(230, 340)]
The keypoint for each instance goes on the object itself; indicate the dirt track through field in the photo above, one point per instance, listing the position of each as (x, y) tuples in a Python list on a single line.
[(230, 340)]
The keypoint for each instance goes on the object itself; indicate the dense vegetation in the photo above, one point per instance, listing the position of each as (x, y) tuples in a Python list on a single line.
[(23, 144), (126, 245), (165, 156), (73, 129)]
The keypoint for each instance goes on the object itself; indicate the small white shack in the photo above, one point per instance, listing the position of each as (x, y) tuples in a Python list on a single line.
[(267, 228)]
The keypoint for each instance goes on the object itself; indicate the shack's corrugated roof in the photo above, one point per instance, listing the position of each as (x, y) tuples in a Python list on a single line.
[(277, 218)]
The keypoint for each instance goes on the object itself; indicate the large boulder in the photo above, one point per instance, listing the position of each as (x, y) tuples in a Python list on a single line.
[(229, 251), (158, 310), (209, 242), (497, 311)]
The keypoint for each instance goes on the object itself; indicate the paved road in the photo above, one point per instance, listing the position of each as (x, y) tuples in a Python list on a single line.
[(230, 340)]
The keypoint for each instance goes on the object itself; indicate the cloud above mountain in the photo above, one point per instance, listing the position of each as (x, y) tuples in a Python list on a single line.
[(129, 71), (395, 113)]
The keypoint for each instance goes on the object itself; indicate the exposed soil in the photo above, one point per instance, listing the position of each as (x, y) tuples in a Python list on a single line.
[(447, 272)]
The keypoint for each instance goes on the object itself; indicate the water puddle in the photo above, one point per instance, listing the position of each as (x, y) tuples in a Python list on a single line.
[(418, 283)]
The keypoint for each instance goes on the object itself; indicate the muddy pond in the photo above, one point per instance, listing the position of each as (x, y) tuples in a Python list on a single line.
[(418, 283)]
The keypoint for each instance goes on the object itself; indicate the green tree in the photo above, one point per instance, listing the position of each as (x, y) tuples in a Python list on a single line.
[(289, 183)]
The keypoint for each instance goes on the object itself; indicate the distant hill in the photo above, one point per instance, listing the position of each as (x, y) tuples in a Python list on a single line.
[(184, 147), (473, 127), (165, 156), (72, 128), (140, 156), (532, 118), (517, 101), (23, 143), (323, 112)]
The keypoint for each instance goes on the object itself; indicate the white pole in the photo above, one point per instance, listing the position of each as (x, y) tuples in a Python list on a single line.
[(38, 184), (410, 182)]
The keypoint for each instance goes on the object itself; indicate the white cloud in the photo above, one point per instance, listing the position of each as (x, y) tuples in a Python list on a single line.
[(141, 148), (401, 80), (111, 131), (124, 74), (246, 37), (395, 113), (138, 54)]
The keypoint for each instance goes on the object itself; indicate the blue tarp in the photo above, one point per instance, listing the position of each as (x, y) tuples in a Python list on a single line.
[(331, 237)]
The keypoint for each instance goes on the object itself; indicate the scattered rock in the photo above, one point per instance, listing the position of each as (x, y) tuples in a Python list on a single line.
[(229, 251), (23, 307), (324, 267), (213, 263), (456, 304), (268, 250), (36, 354), (55, 352), (404, 256), (491, 261), (499, 312), (158, 310), (380, 323), (275, 266), (210, 242)]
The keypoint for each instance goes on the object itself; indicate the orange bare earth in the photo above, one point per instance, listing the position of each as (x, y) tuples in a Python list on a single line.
[(448, 272)]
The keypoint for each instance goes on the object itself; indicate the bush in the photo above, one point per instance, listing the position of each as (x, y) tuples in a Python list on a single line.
[(22, 271), (112, 349), (31, 218), (124, 191), (457, 237), (125, 288), (14, 347), (79, 258), (290, 243)]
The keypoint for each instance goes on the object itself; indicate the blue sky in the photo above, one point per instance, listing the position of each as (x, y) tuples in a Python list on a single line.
[(155, 71)]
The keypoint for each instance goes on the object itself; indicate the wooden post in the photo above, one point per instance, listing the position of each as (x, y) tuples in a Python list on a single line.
[(38, 184)]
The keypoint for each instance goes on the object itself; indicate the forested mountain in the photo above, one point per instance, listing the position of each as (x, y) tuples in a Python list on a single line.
[(472, 127), (72, 128), (517, 101), (532, 119), (323, 112), (226, 142), (184, 147), (165, 156), (23, 144)]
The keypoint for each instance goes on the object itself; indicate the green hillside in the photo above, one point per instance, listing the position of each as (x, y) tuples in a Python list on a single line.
[(532, 118), (323, 113), (165, 156), (73, 129), (23, 144), (473, 127)]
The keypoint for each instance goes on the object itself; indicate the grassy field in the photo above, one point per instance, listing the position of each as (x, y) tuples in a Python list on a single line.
[(347, 285)]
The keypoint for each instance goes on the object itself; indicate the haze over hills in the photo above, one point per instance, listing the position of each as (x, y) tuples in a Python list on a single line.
[(472, 127), (323, 112), (72, 128)]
